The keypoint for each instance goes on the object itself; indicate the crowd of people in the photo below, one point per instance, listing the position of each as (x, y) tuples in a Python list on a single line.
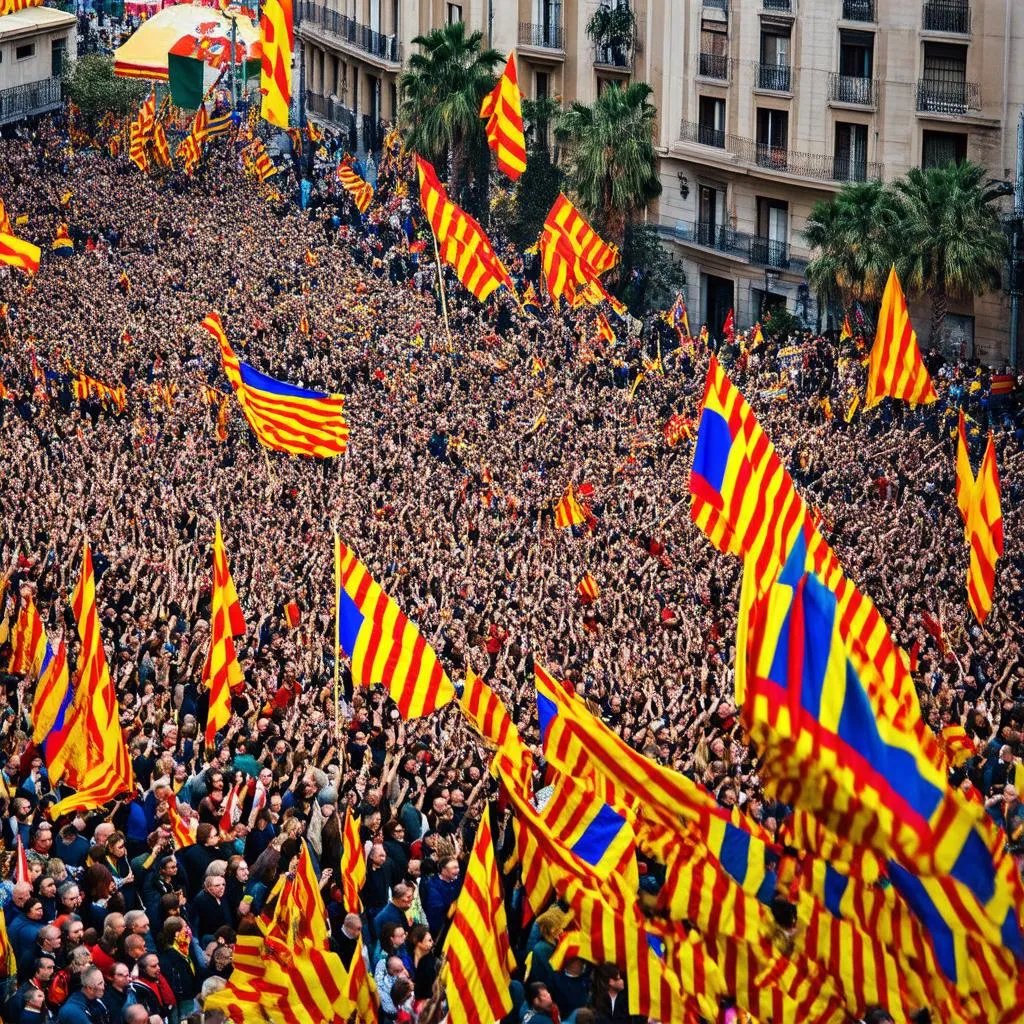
[(463, 438)]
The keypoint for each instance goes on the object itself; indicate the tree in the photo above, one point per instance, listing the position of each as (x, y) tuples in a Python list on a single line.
[(650, 276), (950, 242), (538, 116), (612, 166), (441, 96), (535, 194), (852, 235), (90, 84)]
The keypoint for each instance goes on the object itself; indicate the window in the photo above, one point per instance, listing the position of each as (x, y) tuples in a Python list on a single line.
[(856, 54), (851, 153), (941, 148), (944, 88), (714, 50), (772, 137), (770, 246), (711, 129), (774, 71), (454, 14), (24, 51), (711, 216)]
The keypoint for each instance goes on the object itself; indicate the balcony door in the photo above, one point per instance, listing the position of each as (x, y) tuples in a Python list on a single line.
[(773, 230), (711, 215), (711, 114), (851, 159)]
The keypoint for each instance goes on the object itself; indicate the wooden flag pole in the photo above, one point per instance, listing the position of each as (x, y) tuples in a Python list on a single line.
[(440, 282)]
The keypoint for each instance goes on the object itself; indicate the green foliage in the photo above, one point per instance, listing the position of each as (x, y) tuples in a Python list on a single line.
[(612, 166), (538, 116), (779, 324), (661, 275), (535, 193), (90, 84), (441, 96), (612, 24)]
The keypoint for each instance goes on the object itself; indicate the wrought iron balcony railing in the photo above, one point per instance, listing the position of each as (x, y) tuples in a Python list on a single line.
[(775, 77), (947, 95), (859, 10), (947, 16), (714, 65), (544, 37)]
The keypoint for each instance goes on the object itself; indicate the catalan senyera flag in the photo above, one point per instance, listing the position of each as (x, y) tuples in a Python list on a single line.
[(565, 220), (15, 252), (1002, 383), (461, 241), (52, 691), (530, 301), (183, 832), (353, 863), (310, 912), (382, 644), (678, 317), (161, 148), (28, 641), (5, 221), (262, 165), (358, 188), (108, 772), (502, 109), (490, 718), (588, 589), (964, 473), (568, 511), (604, 330), (895, 368), (284, 417), (277, 40), (222, 673), (985, 535), (478, 960)]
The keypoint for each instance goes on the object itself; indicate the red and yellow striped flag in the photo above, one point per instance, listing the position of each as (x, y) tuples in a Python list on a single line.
[(964, 473), (161, 148), (503, 110), (15, 252), (353, 864), (382, 644), (308, 909), (222, 673), (588, 589), (604, 330), (569, 512), (360, 190), (985, 535), (108, 768), (277, 40), (212, 324), (183, 832), (895, 368), (461, 241), (490, 718), (28, 641), (478, 961), (5, 221)]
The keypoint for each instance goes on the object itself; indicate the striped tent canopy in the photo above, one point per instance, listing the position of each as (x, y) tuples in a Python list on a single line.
[(144, 55)]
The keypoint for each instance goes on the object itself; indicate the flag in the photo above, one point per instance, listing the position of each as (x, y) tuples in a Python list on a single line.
[(382, 644), (703, 338), (260, 160), (221, 672), (845, 331), (964, 474), (729, 327), (1003, 384), (8, 962), (536, 366), (478, 960), (124, 283), (140, 132), (604, 329), (896, 369), (5, 221), (277, 40), (62, 241), (461, 241), (182, 832), (161, 147), (309, 259), (292, 614), (21, 874), (502, 110), (220, 124), (22, 255), (568, 511), (530, 301), (314, 133), (353, 863), (229, 361), (108, 773), (28, 641), (677, 315), (52, 691), (360, 190), (852, 408), (985, 533), (676, 428), (310, 913), (566, 221), (569, 274), (826, 408), (489, 717), (588, 589)]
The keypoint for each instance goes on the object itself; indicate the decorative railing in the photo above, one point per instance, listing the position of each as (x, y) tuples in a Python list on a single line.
[(21, 101), (853, 89)]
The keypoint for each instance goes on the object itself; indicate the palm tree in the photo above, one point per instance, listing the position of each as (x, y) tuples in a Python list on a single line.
[(952, 246), (612, 168), (441, 96), (852, 236)]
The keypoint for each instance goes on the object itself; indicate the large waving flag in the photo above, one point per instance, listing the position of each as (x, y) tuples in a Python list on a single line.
[(108, 771), (353, 863), (52, 690), (895, 368), (284, 417), (565, 221), (568, 511), (984, 533), (382, 644), (358, 188), (28, 641), (964, 473), (461, 241), (17, 253), (277, 40), (478, 960), (222, 673), (489, 717), (502, 108)]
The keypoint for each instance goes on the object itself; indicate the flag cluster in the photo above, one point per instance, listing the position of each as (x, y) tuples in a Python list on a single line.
[(360, 190), (574, 256), (461, 241), (141, 131), (257, 161), (502, 109)]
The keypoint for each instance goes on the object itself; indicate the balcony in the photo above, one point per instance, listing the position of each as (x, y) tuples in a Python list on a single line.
[(351, 33), (860, 92), (777, 5), (714, 65), (947, 95), (859, 10), (947, 16), (724, 239), (331, 109), (719, 5), (28, 100), (615, 56), (775, 77), (541, 36), (846, 168), (779, 159), (767, 252)]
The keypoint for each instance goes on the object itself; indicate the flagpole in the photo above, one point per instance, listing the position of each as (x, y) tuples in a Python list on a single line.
[(440, 281)]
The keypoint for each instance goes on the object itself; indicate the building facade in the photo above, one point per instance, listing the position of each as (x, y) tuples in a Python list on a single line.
[(768, 106), (34, 44), (765, 107)]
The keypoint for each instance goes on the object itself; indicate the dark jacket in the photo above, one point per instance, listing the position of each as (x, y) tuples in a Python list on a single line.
[(437, 896), (207, 915), (79, 1010), (180, 974)]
